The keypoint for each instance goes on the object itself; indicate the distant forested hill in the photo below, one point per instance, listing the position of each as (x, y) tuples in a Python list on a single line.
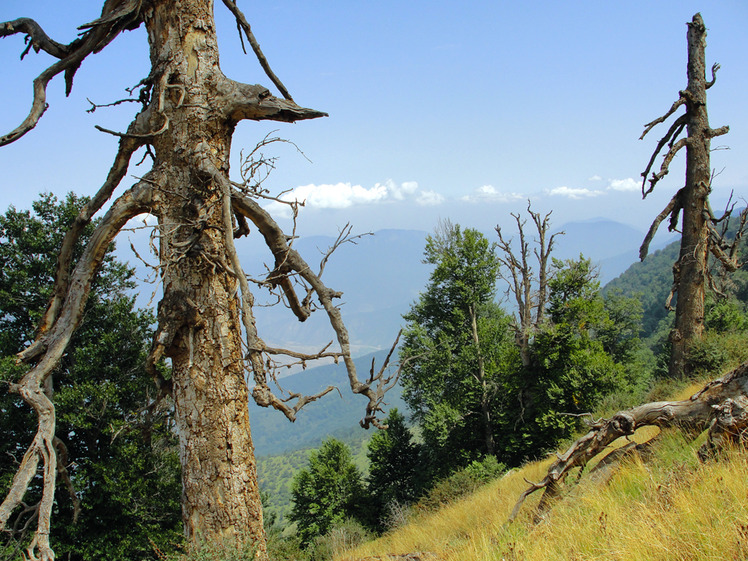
[(652, 279), (649, 280)]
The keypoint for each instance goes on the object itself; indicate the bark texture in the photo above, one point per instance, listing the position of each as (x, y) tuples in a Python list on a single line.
[(205, 320)]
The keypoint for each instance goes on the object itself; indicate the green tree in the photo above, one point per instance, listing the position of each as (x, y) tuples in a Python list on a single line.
[(457, 350), (327, 492), (394, 474), (120, 486), (579, 355)]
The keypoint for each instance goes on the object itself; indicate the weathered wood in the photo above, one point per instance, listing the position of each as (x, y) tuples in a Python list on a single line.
[(690, 272), (721, 403)]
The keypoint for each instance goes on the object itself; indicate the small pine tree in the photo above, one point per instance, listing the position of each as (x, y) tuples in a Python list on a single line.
[(327, 492), (394, 467)]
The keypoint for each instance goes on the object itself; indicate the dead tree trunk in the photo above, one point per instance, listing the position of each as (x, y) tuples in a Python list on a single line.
[(691, 270), (205, 320)]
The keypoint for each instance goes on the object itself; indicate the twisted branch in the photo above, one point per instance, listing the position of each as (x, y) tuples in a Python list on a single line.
[(32, 386), (692, 415), (243, 25), (99, 34)]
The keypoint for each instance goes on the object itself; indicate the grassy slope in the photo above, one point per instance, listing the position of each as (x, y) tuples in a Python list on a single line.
[(671, 508)]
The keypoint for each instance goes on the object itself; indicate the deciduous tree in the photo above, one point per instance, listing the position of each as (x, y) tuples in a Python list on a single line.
[(457, 349)]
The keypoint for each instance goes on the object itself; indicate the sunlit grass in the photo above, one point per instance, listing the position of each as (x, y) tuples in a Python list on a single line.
[(670, 508)]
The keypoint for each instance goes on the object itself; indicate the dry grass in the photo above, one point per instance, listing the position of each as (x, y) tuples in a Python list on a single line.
[(671, 508)]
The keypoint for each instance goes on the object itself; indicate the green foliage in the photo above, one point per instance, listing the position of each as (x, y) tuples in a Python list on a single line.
[(394, 467), (121, 458), (327, 492), (579, 356), (452, 383), (276, 473)]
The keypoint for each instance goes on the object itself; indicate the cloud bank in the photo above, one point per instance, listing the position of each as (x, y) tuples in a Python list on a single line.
[(621, 185), (346, 195), (489, 193)]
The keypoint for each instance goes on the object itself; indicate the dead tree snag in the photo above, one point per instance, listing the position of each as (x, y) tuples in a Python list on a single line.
[(206, 325), (699, 235)]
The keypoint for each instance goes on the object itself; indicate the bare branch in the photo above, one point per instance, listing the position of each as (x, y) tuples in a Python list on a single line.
[(672, 134), (671, 209), (242, 23), (62, 275), (649, 126), (276, 241), (100, 34), (710, 83), (36, 38)]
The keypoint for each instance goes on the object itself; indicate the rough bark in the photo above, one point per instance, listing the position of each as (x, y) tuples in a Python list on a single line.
[(690, 272), (205, 320), (720, 405)]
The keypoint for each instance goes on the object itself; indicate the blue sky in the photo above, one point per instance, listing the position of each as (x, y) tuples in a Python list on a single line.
[(437, 109)]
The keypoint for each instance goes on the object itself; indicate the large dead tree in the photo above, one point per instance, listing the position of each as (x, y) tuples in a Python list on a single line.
[(206, 325), (700, 234)]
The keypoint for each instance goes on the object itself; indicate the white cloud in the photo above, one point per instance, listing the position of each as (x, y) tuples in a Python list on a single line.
[(628, 184), (429, 198), (345, 195), (595, 178), (402, 191), (489, 193), (573, 192)]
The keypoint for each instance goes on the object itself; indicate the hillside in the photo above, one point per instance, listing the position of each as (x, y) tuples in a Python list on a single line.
[(650, 281), (644, 511)]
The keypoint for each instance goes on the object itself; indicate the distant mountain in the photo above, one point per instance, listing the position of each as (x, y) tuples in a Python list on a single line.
[(612, 245), (381, 275)]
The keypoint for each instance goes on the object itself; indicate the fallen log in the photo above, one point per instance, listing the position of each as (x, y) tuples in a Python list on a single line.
[(721, 406)]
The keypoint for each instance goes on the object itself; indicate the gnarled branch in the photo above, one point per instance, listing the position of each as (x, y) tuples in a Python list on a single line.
[(692, 415), (115, 18)]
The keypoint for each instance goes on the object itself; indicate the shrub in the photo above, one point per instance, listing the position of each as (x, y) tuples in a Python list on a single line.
[(461, 483), (341, 537)]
